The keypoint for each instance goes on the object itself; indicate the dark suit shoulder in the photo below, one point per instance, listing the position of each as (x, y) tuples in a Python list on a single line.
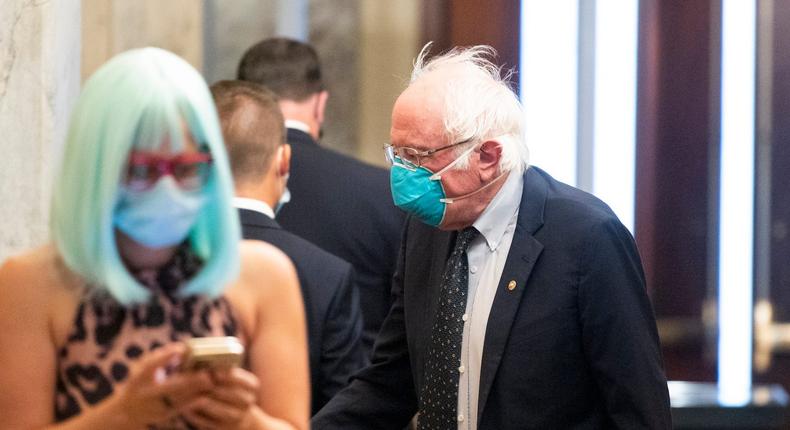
[(573, 207), (341, 168), (302, 252)]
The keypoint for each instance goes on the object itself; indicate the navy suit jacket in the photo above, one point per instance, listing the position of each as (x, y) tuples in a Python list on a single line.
[(334, 321), (345, 207), (573, 346)]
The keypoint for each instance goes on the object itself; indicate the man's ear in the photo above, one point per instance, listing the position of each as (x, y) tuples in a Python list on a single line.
[(283, 161), (490, 154), (320, 106)]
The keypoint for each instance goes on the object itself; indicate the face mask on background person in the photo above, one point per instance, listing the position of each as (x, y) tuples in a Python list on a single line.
[(160, 216), (285, 197), (420, 192)]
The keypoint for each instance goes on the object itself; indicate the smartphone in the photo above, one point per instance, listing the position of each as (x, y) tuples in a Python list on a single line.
[(222, 352)]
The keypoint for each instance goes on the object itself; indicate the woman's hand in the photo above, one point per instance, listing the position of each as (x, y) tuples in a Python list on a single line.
[(150, 396), (229, 405)]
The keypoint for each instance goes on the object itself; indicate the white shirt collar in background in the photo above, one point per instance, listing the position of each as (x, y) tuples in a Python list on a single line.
[(298, 125), (253, 205)]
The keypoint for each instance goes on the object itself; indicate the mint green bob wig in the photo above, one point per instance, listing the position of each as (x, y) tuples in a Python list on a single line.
[(140, 99)]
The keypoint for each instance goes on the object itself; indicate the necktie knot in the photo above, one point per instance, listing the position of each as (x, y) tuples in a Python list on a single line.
[(464, 238)]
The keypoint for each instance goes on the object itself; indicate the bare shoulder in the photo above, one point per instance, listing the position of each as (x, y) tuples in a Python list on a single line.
[(38, 294), (263, 265), (267, 279), (264, 268), (38, 276), (258, 255)]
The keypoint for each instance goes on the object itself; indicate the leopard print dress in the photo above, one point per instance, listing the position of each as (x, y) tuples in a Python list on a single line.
[(107, 338)]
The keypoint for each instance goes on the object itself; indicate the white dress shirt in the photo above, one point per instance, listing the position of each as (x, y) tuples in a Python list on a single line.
[(486, 255), (298, 125), (253, 205)]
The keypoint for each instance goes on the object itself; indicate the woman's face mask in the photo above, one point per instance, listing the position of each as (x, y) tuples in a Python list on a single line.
[(162, 197), (158, 217)]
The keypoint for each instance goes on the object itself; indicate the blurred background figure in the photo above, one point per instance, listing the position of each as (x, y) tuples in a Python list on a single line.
[(254, 135), (145, 254), (336, 202)]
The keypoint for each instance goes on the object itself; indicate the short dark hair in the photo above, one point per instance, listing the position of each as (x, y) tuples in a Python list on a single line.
[(252, 126), (288, 67)]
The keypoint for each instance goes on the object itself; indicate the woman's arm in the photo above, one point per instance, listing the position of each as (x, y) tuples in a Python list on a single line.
[(27, 353), (269, 296)]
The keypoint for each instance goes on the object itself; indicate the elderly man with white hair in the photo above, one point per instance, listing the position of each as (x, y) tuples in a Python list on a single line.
[(520, 301)]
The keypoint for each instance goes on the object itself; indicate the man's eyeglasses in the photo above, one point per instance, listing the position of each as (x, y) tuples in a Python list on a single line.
[(191, 171), (411, 158)]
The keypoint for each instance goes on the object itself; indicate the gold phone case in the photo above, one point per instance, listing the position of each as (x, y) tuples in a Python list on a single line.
[(213, 353)]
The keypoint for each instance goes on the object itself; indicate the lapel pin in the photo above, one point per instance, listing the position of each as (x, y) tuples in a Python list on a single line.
[(511, 285)]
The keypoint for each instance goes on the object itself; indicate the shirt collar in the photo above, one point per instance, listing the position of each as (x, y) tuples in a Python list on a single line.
[(253, 205), (501, 212), (298, 125)]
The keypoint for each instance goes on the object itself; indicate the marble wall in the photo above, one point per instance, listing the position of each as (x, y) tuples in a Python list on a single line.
[(39, 82)]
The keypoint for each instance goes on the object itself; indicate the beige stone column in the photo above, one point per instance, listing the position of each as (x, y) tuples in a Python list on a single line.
[(39, 83), (231, 28), (366, 48), (113, 26), (389, 39)]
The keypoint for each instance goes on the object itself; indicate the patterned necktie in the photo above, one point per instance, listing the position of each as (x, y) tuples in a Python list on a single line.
[(439, 397)]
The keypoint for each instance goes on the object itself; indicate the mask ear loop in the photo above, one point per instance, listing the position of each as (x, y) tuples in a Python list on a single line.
[(438, 175), (452, 199)]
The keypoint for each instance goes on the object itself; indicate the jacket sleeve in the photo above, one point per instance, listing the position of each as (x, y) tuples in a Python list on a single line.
[(619, 330), (342, 353), (382, 395)]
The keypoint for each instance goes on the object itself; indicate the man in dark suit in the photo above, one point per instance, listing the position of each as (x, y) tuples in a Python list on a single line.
[(253, 129), (520, 302), (338, 203)]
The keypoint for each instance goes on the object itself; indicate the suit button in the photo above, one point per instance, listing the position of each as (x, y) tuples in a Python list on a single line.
[(511, 285)]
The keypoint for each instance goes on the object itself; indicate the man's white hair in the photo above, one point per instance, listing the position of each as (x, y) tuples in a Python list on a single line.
[(478, 101)]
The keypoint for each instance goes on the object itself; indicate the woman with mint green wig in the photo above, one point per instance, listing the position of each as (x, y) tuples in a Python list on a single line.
[(145, 255)]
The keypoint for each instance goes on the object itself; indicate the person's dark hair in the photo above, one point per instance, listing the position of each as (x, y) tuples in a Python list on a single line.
[(288, 67), (252, 126)]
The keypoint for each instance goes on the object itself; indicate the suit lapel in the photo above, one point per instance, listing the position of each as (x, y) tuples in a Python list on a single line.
[(523, 254)]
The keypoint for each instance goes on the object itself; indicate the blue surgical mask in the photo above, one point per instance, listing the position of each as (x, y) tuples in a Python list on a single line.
[(420, 192), (160, 216)]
